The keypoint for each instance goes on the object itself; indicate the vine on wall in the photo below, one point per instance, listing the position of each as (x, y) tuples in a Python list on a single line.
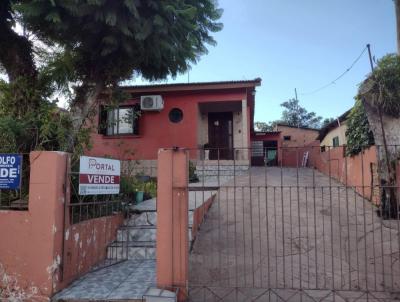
[(359, 135)]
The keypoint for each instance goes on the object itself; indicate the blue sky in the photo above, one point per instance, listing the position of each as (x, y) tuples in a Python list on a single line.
[(301, 44)]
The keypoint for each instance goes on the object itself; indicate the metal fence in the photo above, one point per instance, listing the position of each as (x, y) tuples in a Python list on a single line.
[(17, 199), (86, 207), (312, 227)]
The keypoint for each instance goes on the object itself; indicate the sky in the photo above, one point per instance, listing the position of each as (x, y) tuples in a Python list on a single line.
[(302, 44)]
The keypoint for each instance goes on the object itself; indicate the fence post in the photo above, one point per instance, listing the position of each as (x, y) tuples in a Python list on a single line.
[(172, 221)]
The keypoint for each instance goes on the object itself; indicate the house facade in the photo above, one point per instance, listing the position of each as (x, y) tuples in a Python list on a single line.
[(216, 116), (334, 134)]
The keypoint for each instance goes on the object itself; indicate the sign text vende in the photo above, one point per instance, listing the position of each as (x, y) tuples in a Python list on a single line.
[(99, 176), (10, 171)]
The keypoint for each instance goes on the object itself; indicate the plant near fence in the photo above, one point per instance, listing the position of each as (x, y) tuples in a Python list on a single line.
[(358, 134), (380, 94)]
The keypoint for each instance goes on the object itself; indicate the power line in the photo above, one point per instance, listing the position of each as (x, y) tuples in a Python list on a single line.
[(339, 77)]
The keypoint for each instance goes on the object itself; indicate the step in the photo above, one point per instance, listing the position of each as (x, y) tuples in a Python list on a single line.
[(137, 233), (143, 219), (132, 250), (150, 219), (154, 294), (141, 234)]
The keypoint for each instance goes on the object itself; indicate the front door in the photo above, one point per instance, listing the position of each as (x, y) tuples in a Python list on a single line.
[(220, 135)]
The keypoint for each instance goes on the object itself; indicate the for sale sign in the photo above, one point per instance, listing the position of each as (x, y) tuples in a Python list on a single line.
[(99, 176), (10, 171)]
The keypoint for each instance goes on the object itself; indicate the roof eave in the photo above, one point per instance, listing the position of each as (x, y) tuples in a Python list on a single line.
[(192, 86)]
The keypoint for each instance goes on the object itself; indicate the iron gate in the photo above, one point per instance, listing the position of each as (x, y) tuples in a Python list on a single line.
[(312, 228)]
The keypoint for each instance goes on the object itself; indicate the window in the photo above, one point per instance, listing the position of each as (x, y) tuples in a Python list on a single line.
[(287, 138), (175, 115), (119, 121), (335, 141)]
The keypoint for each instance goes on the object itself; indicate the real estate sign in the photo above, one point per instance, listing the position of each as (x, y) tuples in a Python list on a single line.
[(10, 171), (99, 176)]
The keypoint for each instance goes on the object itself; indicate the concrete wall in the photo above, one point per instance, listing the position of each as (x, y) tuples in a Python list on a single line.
[(338, 131), (300, 137), (31, 241), (86, 245), (34, 262), (356, 171), (199, 215)]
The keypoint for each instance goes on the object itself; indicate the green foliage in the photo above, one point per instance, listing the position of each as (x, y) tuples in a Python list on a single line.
[(82, 48), (327, 121), (264, 127), (23, 128), (384, 85), (110, 40), (129, 185), (295, 115), (358, 134), (192, 172)]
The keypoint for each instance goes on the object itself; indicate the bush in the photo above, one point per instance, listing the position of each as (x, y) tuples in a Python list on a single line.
[(129, 185), (359, 135), (192, 172)]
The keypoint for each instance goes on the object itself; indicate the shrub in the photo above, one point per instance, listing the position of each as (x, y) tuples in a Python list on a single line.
[(192, 172), (359, 135)]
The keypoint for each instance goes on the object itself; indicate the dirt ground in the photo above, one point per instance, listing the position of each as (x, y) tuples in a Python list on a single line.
[(290, 229)]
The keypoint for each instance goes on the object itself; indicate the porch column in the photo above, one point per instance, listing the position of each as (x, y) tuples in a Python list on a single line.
[(245, 130), (172, 221)]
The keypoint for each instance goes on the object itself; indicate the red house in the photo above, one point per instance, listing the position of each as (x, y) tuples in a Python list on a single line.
[(215, 115)]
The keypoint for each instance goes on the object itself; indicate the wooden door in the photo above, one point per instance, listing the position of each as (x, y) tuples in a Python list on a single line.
[(220, 135)]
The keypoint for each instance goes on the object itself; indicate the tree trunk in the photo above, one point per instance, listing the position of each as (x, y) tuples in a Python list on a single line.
[(397, 4), (386, 130), (16, 53), (16, 57), (83, 109)]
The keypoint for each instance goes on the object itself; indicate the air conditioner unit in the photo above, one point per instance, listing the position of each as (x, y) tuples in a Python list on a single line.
[(151, 103)]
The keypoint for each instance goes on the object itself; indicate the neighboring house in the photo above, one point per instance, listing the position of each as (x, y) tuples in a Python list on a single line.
[(216, 115), (293, 141), (334, 134), (293, 136), (265, 148)]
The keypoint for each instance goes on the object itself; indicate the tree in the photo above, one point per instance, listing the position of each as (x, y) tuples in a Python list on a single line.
[(295, 115), (264, 127), (101, 43), (380, 95), (327, 121)]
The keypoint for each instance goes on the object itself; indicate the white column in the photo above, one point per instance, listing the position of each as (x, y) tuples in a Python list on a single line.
[(245, 130)]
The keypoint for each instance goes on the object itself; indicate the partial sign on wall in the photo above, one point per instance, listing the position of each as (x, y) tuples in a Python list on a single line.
[(99, 176), (10, 171)]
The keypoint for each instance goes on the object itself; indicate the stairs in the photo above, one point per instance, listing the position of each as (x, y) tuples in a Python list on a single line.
[(213, 172), (136, 239), (129, 272)]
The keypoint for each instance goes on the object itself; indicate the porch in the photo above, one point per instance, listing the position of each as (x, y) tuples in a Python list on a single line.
[(223, 131)]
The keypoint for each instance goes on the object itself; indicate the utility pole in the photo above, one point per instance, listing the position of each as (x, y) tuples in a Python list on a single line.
[(397, 8), (298, 106)]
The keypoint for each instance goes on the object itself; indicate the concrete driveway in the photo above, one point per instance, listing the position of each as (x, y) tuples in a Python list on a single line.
[(293, 229)]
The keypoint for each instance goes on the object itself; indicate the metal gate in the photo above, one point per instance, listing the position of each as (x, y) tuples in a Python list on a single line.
[(304, 230)]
